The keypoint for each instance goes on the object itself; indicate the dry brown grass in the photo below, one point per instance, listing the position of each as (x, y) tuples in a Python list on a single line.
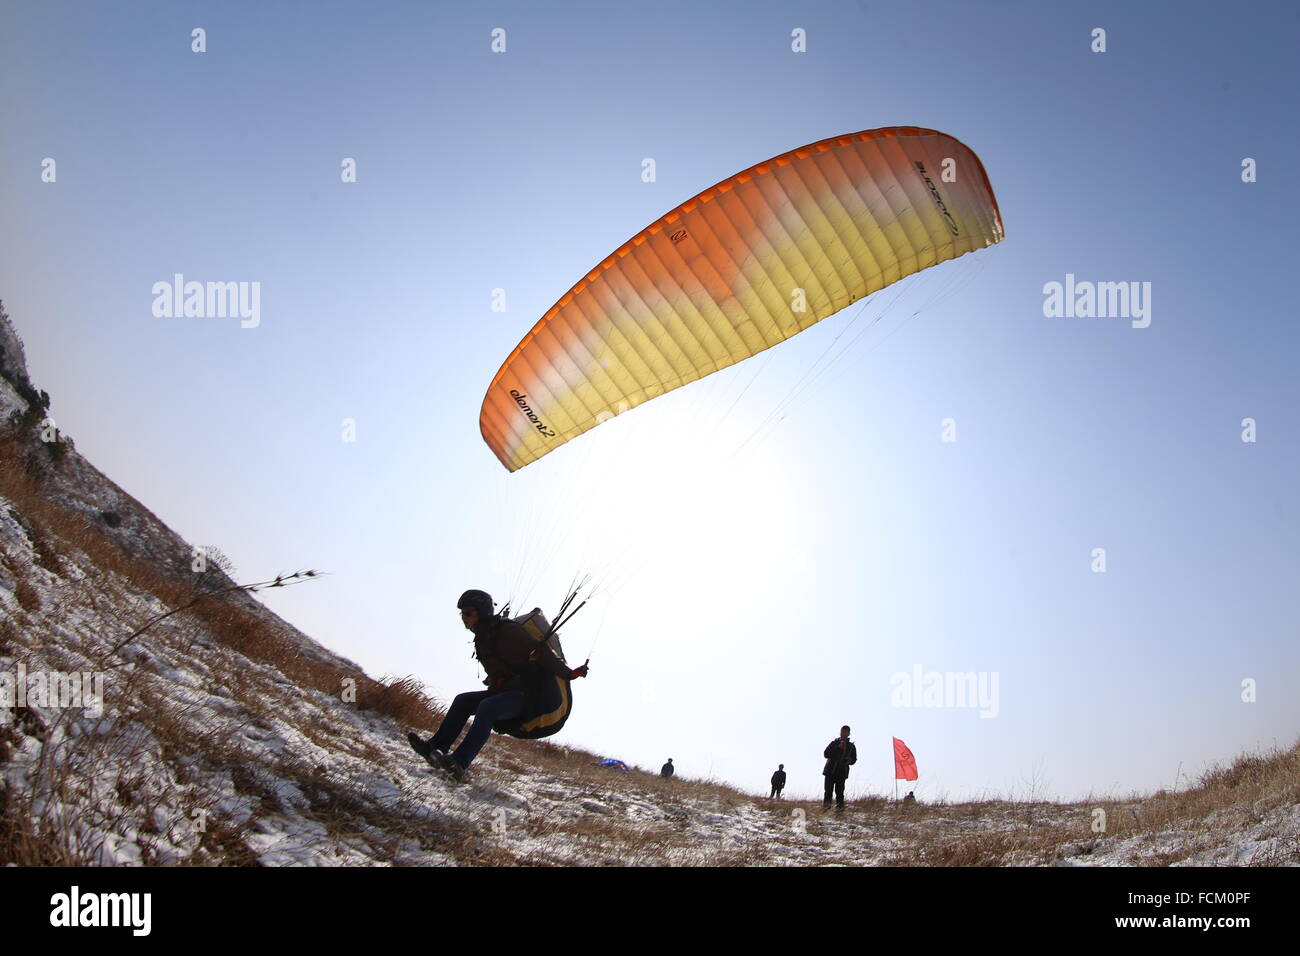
[(9, 636), (996, 848), (605, 842), (1250, 787), (402, 698), (29, 599)]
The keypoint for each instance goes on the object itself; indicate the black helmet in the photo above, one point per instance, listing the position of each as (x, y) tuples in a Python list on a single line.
[(480, 601)]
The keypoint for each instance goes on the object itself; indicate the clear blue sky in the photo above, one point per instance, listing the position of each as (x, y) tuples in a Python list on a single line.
[(751, 601)]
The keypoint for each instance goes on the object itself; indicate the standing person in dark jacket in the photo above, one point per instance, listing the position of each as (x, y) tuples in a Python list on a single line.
[(778, 782), (508, 654), (667, 769), (840, 754)]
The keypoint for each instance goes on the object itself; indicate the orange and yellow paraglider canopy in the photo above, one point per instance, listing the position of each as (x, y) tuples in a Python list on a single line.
[(738, 268)]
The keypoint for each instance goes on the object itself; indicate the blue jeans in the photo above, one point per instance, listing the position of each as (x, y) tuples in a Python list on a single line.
[(486, 708)]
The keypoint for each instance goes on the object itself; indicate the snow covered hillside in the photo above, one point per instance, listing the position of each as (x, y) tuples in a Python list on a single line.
[(222, 735)]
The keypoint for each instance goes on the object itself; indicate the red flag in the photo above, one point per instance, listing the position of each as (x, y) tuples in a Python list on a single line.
[(904, 762)]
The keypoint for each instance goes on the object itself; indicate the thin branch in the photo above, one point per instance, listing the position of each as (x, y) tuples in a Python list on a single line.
[(279, 581)]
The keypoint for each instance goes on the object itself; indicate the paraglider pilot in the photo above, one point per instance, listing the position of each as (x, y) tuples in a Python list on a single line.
[(507, 653)]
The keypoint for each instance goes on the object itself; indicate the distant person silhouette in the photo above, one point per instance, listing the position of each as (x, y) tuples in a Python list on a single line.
[(840, 754), (778, 782)]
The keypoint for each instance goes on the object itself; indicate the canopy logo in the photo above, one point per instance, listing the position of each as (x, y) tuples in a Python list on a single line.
[(521, 401), (50, 689), (956, 689), (208, 300), (103, 909), (1101, 300), (938, 200)]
